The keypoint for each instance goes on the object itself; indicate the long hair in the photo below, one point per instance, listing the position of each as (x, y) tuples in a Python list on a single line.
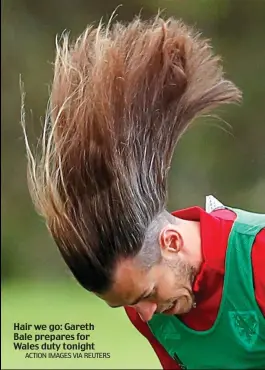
[(121, 98)]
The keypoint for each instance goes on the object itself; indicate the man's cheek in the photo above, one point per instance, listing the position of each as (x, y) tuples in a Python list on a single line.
[(164, 298)]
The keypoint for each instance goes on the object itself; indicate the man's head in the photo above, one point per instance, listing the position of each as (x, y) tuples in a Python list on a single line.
[(160, 277), (121, 99)]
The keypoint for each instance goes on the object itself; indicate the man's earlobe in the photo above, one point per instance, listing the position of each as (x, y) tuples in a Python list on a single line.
[(170, 239)]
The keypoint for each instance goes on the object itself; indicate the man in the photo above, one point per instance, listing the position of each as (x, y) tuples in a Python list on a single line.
[(211, 298), (192, 282)]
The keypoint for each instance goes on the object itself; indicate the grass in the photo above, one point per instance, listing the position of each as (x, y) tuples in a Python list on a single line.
[(60, 303)]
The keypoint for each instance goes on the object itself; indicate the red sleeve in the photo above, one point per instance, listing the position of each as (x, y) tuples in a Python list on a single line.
[(166, 361), (258, 260)]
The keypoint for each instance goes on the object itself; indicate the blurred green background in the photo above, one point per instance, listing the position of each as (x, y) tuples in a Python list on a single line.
[(230, 163)]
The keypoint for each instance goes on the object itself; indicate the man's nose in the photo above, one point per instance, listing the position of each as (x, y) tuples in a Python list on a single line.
[(146, 310)]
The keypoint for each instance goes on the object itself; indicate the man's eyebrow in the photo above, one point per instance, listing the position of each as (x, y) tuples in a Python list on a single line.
[(145, 294)]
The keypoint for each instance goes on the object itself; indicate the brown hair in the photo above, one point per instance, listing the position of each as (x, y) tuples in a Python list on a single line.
[(121, 98)]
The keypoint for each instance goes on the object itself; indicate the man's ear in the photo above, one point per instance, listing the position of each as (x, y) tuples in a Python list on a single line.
[(170, 239)]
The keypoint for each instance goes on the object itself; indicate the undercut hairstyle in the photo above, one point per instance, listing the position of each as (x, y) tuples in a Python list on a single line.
[(121, 98)]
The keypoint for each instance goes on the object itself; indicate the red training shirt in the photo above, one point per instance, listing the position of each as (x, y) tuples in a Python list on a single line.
[(215, 229)]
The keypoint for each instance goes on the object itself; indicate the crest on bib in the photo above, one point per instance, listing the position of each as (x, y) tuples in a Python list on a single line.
[(245, 325)]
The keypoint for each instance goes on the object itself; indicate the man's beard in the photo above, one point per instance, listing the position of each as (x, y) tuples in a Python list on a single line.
[(184, 277)]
